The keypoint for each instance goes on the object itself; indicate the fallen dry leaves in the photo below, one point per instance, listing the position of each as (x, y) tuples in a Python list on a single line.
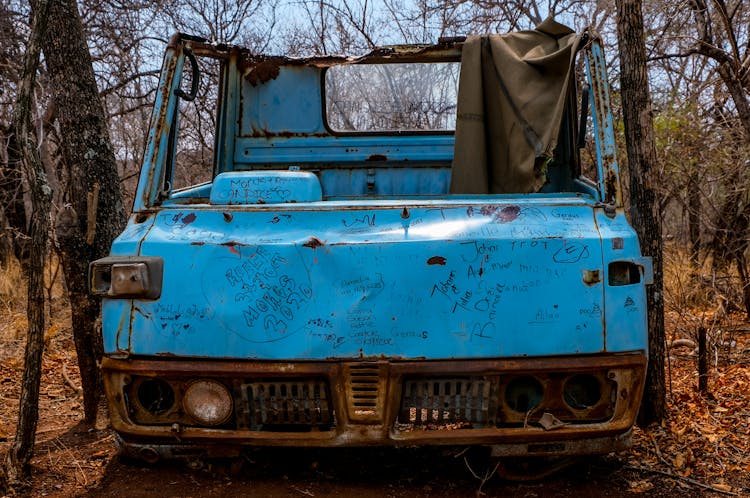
[(704, 438)]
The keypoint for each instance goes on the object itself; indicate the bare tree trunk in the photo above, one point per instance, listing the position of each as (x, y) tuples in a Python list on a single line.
[(645, 212), (702, 362), (87, 152), (694, 220), (6, 241), (16, 464), (744, 282)]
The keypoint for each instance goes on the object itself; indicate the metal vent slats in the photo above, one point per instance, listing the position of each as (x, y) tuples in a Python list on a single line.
[(285, 404), (447, 401)]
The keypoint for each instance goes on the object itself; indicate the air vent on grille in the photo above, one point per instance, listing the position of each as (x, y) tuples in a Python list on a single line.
[(364, 396), (286, 406), (438, 402)]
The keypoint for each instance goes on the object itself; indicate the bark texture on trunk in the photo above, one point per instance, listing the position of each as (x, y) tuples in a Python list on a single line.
[(16, 467), (644, 210), (87, 152), (694, 220)]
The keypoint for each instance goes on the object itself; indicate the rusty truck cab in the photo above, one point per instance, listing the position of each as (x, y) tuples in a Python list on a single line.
[(319, 279)]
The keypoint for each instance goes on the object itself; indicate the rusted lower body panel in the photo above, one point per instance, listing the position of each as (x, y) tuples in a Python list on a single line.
[(499, 402)]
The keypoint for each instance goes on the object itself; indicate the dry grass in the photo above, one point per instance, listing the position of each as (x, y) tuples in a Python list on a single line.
[(12, 302), (12, 285), (13, 324), (695, 297), (689, 285)]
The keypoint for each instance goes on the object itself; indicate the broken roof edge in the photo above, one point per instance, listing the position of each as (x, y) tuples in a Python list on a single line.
[(259, 68), (447, 49)]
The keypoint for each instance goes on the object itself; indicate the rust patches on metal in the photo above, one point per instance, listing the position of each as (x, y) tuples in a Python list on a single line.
[(365, 389), (363, 393), (161, 127), (591, 277), (175, 41), (233, 246), (508, 214), (166, 90), (190, 201), (188, 219), (121, 327), (228, 216), (313, 243), (405, 213), (610, 186), (263, 133), (445, 52), (436, 260), (262, 71), (608, 160), (499, 215), (198, 243)]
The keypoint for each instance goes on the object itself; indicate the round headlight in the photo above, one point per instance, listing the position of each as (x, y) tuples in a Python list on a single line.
[(524, 393), (582, 391), (208, 402), (156, 396)]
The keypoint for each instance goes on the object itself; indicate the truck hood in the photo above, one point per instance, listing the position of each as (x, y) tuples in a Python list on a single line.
[(341, 280)]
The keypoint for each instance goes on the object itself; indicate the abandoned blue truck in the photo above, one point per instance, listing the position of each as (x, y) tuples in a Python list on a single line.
[(402, 248)]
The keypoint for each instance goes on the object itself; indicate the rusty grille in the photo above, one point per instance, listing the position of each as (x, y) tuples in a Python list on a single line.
[(286, 405), (365, 384), (469, 402)]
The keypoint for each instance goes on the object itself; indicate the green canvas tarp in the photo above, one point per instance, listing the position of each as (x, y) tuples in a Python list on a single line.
[(512, 93)]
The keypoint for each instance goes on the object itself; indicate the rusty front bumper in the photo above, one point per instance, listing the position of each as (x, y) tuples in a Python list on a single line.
[(592, 402)]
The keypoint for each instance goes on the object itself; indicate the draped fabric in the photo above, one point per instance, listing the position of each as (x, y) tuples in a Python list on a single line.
[(511, 97)]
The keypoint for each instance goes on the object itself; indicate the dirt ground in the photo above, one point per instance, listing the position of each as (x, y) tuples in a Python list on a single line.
[(701, 449)]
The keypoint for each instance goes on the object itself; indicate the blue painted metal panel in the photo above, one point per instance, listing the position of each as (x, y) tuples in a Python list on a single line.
[(266, 107), (471, 280), (162, 117), (332, 149), (116, 313), (385, 181), (129, 241), (266, 187), (227, 127), (604, 128), (624, 306)]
